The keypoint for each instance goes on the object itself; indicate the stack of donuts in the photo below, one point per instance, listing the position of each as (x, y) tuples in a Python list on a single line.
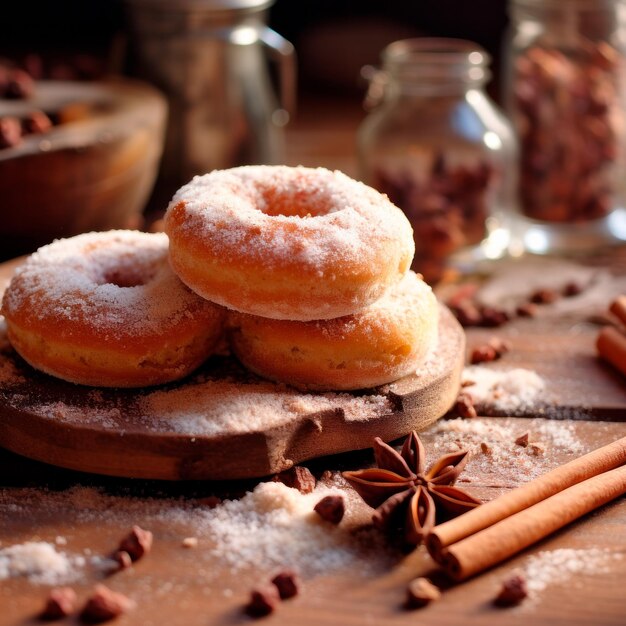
[(305, 272)]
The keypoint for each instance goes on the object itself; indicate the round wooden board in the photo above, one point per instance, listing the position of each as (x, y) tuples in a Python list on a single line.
[(220, 423)]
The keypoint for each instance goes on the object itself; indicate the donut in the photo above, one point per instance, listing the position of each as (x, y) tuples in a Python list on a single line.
[(385, 341), (105, 309), (291, 243)]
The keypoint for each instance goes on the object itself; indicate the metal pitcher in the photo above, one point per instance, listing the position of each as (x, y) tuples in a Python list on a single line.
[(208, 57)]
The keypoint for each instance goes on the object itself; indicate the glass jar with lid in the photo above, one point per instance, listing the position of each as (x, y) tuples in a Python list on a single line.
[(565, 93), (437, 145)]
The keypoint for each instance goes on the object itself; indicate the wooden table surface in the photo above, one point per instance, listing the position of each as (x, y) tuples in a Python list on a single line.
[(87, 514)]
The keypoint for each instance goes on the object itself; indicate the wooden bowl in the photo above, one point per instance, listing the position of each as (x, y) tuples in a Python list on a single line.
[(94, 171)]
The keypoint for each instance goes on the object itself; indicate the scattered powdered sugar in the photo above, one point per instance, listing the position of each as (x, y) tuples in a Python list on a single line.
[(496, 460), (275, 526), (557, 567), (40, 563), (269, 527), (503, 391), (109, 418), (227, 405)]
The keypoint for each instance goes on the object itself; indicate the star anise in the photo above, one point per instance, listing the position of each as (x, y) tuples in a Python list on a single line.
[(406, 497)]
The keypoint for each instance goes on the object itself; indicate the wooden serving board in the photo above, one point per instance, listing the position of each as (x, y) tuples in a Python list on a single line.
[(221, 423)]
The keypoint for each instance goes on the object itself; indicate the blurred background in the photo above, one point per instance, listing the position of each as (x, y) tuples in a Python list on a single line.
[(108, 106)]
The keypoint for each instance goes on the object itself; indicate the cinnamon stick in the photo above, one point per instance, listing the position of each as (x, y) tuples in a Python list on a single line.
[(611, 346), (618, 308), (601, 460), (511, 535)]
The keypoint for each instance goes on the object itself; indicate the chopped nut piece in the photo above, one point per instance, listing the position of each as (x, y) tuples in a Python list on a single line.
[(535, 449), (190, 542), (123, 560), (286, 583), (327, 476), (526, 310), (60, 603), (104, 605), (482, 354), (466, 313), (36, 123), (513, 591), (331, 509), (464, 406), (485, 448), (501, 346), (572, 289), (492, 317), (137, 543), (421, 592), (522, 440), (263, 601), (544, 296), (10, 132), (298, 477)]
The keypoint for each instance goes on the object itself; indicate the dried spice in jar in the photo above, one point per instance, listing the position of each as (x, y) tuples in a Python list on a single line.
[(440, 149), (565, 94)]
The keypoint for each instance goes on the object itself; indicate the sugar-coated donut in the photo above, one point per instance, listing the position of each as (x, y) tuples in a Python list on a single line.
[(289, 243), (106, 309), (383, 342)]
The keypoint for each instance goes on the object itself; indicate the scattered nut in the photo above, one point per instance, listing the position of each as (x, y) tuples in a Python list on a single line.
[(535, 449), (331, 509), (10, 132), (20, 85), (421, 592), (466, 313), (36, 123), (482, 354), (263, 601), (190, 542), (287, 584), (137, 543), (527, 309), (522, 440), (492, 317), (123, 560), (513, 591), (572, 289), (485, 448), (61, 602), (544, 296), (104, 605), (298, 477), (500, 346), (464, 406)]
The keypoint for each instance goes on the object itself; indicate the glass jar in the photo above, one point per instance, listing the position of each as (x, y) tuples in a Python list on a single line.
[(565, 96), (440, 149)]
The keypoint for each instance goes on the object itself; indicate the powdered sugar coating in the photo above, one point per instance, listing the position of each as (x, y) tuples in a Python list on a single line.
[(335, 214), (75, 280), (106, 309), (284, 242)]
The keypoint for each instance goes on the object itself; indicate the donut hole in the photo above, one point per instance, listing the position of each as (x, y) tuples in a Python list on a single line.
[(303, 203), (130, 275)]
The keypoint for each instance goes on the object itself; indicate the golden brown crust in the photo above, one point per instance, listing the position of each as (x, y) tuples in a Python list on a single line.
[(105, 309), (382, 343), (287, 243)]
